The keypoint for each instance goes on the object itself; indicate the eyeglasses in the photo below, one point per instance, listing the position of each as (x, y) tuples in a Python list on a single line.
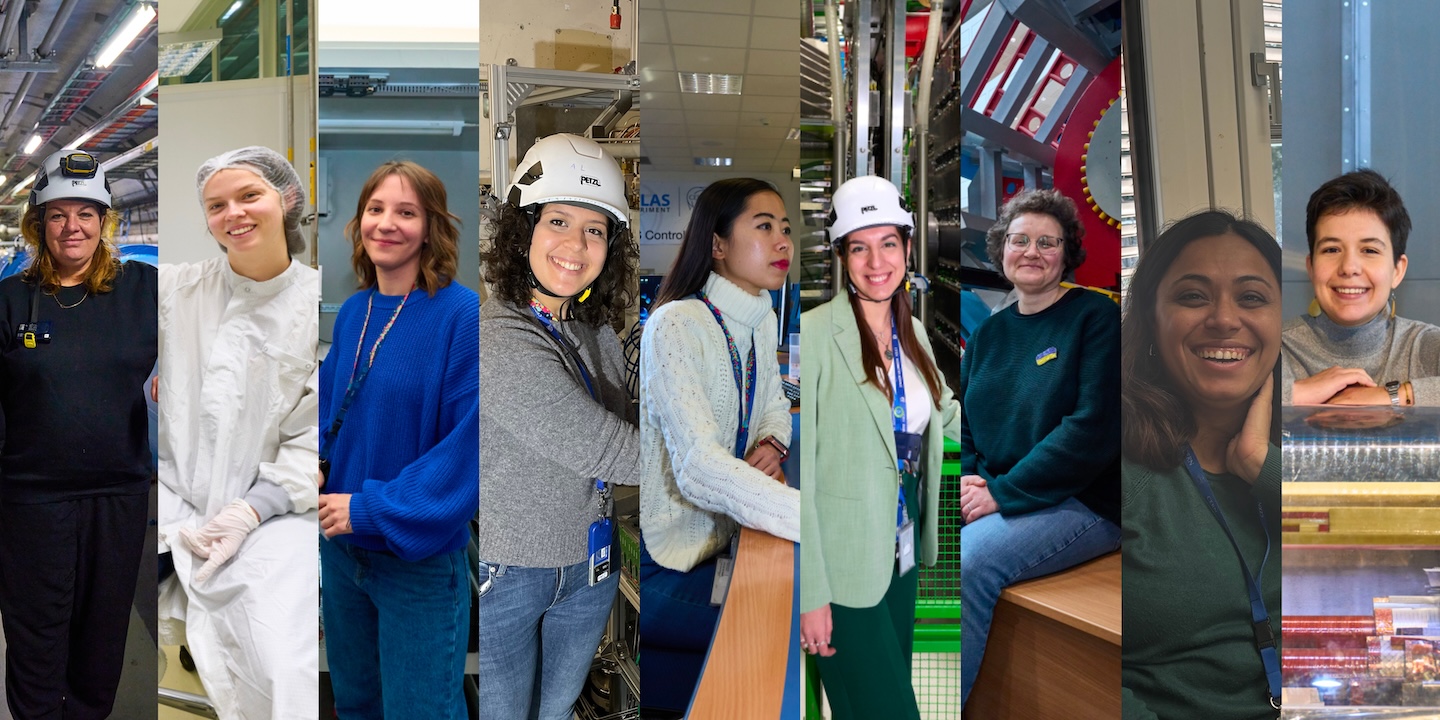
[(1045, 243)]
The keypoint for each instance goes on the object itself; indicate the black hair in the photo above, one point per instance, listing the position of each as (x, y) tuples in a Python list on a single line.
[(1360, 190), (716, 210)]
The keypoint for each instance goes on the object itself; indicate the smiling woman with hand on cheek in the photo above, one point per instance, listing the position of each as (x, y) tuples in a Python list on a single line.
[(400, 470), (1199, 349), (1352, 349)]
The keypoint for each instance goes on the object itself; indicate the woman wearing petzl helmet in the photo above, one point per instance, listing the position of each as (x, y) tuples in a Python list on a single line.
[(557, 425), (77, 342), (872, 431)]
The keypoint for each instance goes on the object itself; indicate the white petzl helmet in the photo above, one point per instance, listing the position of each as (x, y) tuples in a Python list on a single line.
[(570, 169), (865, 202), (71, 175)]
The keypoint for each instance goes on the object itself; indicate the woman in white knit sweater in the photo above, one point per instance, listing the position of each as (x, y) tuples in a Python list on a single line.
[(714, 424)]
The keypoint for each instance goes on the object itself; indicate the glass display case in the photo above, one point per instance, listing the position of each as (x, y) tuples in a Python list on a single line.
[(1361, 538)]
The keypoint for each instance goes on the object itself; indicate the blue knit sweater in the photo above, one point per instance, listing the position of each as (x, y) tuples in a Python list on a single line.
[(409, 450)]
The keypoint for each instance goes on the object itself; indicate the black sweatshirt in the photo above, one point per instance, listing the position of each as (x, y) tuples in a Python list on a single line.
[(74, 407)]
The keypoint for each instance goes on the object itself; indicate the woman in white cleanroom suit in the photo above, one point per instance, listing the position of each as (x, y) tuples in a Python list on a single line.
[(238, 445)]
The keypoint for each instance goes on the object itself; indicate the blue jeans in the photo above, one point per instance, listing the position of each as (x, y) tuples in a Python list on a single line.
[(997, 551), (539, 629), (676, 628), (395, 632)]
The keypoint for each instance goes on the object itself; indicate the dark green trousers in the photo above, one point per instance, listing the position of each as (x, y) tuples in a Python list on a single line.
[(868, 677)]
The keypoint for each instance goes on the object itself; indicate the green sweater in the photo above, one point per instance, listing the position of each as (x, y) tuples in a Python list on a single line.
[(1189, 650), (1041, 430)]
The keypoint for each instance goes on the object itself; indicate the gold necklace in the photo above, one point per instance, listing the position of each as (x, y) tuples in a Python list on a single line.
[(63, 306)]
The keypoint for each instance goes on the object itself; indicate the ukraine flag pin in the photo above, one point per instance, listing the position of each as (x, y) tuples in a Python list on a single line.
[(1046, 356)]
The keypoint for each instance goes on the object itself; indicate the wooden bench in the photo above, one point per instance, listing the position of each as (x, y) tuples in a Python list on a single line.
[(1054, 648)]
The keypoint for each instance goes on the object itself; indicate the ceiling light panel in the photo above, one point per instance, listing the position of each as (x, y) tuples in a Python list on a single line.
[(711, 83)]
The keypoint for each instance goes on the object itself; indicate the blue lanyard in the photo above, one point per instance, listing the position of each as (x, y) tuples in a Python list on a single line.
[(358, 374), (544, 319), (744, 384), (898, 407), (1260, 619)]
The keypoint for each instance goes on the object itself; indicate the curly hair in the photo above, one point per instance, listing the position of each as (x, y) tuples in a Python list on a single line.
[(1039, 202), (104, 264), (506, 263), (439, 255)]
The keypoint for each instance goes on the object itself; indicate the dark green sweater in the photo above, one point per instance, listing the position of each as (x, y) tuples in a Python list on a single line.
[(1043, 432), (1189, 650)]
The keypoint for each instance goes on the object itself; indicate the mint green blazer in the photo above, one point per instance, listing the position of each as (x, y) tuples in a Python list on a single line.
[(848, 481)]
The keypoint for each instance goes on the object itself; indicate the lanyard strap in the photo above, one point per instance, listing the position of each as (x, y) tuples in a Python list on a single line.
[(899, 403), (744, 383), (359, 374), (1260, 619), (546, 319)]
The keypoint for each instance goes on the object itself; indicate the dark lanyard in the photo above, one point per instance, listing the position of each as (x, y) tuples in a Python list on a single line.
[(744, 383), (543, 316), (358, 375), (1260, 619)]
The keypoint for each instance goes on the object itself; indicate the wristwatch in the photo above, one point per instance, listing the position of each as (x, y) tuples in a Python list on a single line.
[(779, 446), (1393, 387)]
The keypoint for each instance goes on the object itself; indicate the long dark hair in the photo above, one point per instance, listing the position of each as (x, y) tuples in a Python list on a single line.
[(506, 265), (715, 212), (1155, 419), (900, 307)]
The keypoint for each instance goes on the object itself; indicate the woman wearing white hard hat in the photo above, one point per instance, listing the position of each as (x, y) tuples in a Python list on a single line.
[(237, 444), (1040, 456), (399, 451), (77, 342), (873, 428), (714, 424), (557, 429)]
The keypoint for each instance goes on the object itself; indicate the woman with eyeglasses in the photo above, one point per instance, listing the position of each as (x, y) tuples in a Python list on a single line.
[(1040, 392)]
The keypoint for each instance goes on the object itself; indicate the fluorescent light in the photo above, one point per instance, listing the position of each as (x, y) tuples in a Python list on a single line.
[(710, 83), (355, 126), (180, 59), (794, 134), (2, 179), (1326, 684), (714, 161), (31, 145), (26, 182), (122, 38), (231, 11)]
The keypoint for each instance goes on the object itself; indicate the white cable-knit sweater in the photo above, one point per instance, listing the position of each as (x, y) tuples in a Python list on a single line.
[(693, 490)]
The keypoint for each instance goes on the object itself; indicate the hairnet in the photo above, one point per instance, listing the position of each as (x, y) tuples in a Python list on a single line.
[(275, 171)]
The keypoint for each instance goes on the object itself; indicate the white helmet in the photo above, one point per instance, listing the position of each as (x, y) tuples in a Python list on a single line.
[(571, 169), (71, 175), (864, 202)]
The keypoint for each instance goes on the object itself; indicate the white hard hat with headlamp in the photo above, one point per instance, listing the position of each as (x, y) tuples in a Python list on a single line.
[(574, 170), (71, 175), (866, 202)]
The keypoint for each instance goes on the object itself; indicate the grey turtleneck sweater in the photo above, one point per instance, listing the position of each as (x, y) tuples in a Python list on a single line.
[(1386, 348)]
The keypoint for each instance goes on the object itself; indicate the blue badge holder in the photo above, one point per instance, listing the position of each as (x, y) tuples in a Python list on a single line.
[(602, 533)]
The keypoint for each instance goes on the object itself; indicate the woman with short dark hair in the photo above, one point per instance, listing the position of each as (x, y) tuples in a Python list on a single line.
[(1040, 450), (1352, 349), (1199, 353)]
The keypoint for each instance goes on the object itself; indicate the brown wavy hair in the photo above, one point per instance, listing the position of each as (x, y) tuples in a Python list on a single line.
[(104, 264), (1039, 202), (440, 253), (506, 264)]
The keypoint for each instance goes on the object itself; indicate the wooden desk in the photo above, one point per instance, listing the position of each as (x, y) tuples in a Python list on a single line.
[(745, 671), (1054, 648)]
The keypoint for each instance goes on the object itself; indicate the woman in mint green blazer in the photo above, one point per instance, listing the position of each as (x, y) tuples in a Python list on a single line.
[(872, 434)]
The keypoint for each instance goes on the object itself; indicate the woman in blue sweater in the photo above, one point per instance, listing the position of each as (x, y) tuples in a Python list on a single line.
[(399, 455), (1040, 388)]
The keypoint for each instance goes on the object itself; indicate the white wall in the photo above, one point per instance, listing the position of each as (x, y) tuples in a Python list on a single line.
[(200, 121)]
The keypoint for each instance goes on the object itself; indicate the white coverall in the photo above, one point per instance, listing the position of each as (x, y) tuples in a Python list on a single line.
[(239, 406)]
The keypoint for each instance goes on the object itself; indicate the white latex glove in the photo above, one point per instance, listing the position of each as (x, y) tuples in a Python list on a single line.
[(221, 537)]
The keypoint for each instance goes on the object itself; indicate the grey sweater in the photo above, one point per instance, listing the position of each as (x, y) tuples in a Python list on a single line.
[(1388, 349), (543, 439)]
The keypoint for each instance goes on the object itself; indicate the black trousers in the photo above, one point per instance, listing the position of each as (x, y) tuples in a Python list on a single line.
[(67, 581)]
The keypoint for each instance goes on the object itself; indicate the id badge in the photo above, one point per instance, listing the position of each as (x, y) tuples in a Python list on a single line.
[(905, 538), (601, 534), (724, 570)]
